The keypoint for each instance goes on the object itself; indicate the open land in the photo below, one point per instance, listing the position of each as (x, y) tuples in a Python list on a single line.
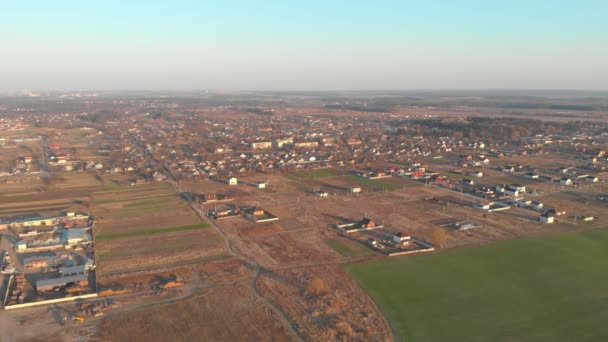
[(149, 171), (514, 290)]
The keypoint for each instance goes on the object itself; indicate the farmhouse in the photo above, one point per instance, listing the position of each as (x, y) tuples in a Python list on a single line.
[(257, 214), (227, 212), (233, 181), (22, 245), (565, 181), (364, 224), (260, 185), (588, 218), (531, 175), (536, 205), (321, 193), (401, 237), (592, 179), (548, 217), (477, 174)]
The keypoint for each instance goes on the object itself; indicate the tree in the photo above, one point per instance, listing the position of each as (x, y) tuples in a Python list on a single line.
[(439, 236), (318, 287)]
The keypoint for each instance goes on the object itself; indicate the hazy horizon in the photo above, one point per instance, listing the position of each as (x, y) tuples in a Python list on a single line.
[(304, 46)]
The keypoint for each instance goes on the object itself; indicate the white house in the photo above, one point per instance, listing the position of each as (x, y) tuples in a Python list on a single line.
[(400, 237), (531, 175), (592, 179), (565, 181), (536, 205), (477, 174), (261, 185), (511, 192), (233, 181), (548, 217), (22, 244)]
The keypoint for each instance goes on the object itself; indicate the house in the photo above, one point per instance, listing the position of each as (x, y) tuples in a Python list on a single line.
[(400, 237), (485, 205), (592, 179), (467, 181), (367, 223), (548, 217), (565, 181), (477, 174), (233, 181), (355, 190), (531, 175), (536, 205), (588, 218), (22, 245), (260, 185), (321, 193)]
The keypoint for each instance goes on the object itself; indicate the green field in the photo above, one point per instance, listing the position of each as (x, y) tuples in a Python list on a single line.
[(373, 183), (551, 288), (102, 237), (348, 248), (113, 185)]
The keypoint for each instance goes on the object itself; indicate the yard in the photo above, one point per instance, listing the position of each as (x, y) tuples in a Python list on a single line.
[(348, 248), (534, 289), (373, 184)]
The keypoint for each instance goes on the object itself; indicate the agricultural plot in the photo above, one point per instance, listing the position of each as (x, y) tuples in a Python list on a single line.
[(311, 174), (148, 228), (348, 248), (373, 184), (555, 291)]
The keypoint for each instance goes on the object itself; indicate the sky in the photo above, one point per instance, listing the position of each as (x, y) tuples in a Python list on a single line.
[(303, 45)]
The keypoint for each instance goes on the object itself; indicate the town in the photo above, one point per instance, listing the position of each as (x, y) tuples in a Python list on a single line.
[(108, 203)]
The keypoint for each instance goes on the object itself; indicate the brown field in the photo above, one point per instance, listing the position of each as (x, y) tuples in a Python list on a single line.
[(140, 211), (242, 317), (338, 311)]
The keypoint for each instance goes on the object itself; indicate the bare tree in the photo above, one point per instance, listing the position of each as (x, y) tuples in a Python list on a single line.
[(439, 236)]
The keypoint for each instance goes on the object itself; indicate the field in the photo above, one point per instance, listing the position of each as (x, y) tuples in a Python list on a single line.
[(311, 174), (533, 289), (149, 228), (373, 183), (219, 306), (348, 248)]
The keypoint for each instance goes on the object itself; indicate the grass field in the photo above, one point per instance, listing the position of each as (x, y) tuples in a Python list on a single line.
[(348, 248), (535, 289), (373, 183), (113, 185), (150, 232)]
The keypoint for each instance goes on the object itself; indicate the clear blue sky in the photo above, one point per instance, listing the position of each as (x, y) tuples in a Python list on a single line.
[(292, 45)]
